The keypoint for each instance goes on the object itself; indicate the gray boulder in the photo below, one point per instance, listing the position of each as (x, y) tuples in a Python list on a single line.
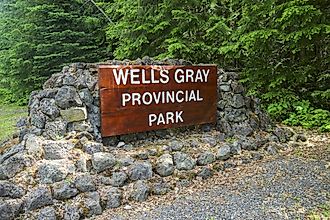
[(223, 152), (238, 101), (13, 165), (54, 171), (176, 145), (39, 197), (55, 150), (165, 165), (11, 151), (112, 197), (11, 190), (102, 161), (92, 204), (64, 190), (140, 191), (49, 108), (71, 212), (55, 130), (205, 158), (74, 114), (67, 97), (33, 145), (140, 171), (118, 178), (92, 147), (38, 119), (9, 209), (184, 161), (47, 213), (85, 183), (86, 97)]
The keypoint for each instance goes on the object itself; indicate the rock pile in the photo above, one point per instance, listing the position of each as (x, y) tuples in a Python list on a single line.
[(60, 169)]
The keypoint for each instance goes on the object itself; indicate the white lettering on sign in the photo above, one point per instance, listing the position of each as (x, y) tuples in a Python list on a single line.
[(158, 75), (163, 97), (165, 118), (189, 76), (133, 76)]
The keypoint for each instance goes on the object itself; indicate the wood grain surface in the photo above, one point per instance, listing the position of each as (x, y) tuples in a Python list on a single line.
[(118, 119)]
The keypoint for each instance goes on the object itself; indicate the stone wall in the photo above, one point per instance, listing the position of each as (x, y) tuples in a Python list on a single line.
[(69, 104), (60, 169)]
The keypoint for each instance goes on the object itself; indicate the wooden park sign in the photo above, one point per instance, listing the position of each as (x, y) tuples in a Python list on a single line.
[(138, 98)]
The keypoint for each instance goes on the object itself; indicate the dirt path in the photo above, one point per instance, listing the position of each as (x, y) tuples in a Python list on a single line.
[(285, 186)]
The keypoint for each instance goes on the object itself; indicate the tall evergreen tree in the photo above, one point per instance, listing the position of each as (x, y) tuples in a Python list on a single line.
[(43, 35)]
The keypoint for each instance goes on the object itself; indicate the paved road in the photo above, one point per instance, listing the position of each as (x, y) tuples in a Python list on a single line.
[(280, 188)]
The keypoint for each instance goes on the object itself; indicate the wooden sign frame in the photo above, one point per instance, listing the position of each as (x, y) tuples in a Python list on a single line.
[(137, 98)]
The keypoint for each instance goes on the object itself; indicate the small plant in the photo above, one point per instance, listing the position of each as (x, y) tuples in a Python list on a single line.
[(308, 117), (322, 212)]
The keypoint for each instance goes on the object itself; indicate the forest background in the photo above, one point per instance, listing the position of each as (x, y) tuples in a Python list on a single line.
[(280, 47)]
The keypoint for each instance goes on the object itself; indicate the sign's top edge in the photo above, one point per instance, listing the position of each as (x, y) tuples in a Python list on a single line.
[(139, 65)]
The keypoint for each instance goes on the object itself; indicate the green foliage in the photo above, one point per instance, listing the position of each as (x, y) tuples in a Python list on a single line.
[(281, 47), (39, 37), (307, 116)]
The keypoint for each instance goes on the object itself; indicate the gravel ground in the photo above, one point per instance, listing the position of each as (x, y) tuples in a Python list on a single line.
[(287, 186)]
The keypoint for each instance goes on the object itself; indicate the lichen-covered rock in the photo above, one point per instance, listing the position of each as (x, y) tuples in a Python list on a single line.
[(11, 151), (224, 152), (39, 197), (9, 209), (67, 97), (92, 147), (84, 182), (86, 97), (165, 165), (71, 212), (102, 161), (33, 146), (55, 150), (140, 171), (11, 190), (205, 158), (49, 108), (13, 165), (176, 145), (64, 190), (183, 161), (81, 164), (238, 101), (92, 203), (118, 178), (47, 213), (55, 130), (283, 134), (112, 197), (38, 119), (54, 171), (74, 114), (140, 191), (125, 160)]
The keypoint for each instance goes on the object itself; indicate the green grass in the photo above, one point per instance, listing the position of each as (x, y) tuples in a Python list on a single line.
[(9, 114), (322, 212)]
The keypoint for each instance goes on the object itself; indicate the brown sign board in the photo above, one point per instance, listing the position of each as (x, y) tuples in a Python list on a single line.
[(137, 98)]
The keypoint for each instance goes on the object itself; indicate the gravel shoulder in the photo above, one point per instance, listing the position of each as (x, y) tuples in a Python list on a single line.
[(286, 186)]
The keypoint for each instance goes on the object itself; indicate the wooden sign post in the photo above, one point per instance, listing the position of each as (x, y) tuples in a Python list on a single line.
[(138, 98)]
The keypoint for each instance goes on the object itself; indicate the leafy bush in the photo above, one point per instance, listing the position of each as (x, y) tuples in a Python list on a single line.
[(307, 116)]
